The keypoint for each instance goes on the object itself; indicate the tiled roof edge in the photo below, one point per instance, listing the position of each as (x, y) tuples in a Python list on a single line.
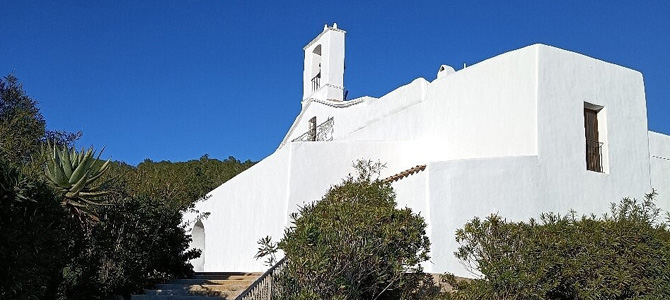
[(403, 174)]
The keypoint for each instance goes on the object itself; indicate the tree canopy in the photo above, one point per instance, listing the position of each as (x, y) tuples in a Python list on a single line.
[(22, 127), (182, 183)]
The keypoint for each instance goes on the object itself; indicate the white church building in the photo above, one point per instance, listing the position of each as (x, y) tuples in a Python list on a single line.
[(538, 129)]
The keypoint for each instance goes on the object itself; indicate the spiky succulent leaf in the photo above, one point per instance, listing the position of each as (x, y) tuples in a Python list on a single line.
[(59, 174), (82, 169), (67, 164), (75, 175), (77, 187), (98, 173), (99, 153), (93, 194)]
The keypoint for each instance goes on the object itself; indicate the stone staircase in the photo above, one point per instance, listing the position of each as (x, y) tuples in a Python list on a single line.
[(202, 286)]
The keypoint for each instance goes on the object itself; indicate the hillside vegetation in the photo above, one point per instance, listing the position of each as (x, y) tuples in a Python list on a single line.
[(180, 182), (73, 226)]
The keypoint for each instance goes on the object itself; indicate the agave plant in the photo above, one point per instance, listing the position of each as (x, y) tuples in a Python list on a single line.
[(76, 176)]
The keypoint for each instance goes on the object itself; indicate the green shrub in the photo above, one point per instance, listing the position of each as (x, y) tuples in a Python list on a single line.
[(22, 127), (136, 243), (622, 255), (47, 253), (355, 244), (33, 237)]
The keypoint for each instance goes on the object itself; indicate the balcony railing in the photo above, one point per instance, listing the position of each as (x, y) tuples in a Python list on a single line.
[(316, 82), (323, 133), (594, 156)]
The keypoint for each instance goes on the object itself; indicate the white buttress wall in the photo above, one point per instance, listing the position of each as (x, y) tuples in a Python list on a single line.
[(659, 152), (414, 192), (248, 207)]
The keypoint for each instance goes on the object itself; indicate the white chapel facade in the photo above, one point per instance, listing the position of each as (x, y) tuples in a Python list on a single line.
[(538, 129)]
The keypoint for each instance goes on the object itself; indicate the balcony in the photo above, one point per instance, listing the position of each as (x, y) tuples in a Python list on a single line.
[(594, 156), (321, 133), (316, 82)]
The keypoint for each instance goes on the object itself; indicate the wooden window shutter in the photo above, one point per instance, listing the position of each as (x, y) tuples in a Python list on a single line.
[(593, 145)]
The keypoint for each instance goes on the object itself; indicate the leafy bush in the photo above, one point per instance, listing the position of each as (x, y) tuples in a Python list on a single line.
[(355, 244), (621, 255), (46, 253), (33, 230), (136, 243), (21, 124), (22, 127)]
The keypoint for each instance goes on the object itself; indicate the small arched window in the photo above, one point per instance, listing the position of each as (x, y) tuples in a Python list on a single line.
[(316, 68), (198, 242)]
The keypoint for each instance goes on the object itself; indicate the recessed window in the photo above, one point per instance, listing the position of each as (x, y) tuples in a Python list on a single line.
[(594, 131)]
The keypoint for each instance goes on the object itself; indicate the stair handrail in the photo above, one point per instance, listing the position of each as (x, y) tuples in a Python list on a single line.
[(261, 288)]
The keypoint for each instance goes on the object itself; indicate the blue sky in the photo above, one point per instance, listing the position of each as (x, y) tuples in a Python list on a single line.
[(173, 80)]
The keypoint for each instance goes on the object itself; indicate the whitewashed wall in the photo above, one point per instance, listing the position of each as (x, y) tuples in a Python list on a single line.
[(659, 150), (566, 81), (413, 192), (315, 166), (486, 110), (258, 202), (366, 119), (462, 189), (249, 206)]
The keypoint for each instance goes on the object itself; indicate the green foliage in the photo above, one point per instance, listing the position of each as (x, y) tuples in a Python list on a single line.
[(179, 183), (45, 254), (136, 243), (355, 244), (75, 175), (22, 127), (32, 239), (267, 248), (621, 255)]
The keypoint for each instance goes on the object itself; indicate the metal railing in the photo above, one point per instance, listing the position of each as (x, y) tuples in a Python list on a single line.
[(594, 156), (324, 132), (265, 286), (316, 82)]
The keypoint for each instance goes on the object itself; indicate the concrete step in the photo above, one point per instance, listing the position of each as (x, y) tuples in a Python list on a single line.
[(211, 293), (196, 281), (227, 273), (203, 285), (226, 276), (167, 297)]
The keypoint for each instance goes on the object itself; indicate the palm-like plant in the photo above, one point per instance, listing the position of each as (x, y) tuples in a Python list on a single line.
[(75, 176)]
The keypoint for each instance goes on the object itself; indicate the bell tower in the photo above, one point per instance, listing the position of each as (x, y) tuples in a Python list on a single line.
[(323, 72)]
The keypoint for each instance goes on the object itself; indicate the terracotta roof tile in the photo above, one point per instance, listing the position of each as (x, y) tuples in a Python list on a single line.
[(403, 174)]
